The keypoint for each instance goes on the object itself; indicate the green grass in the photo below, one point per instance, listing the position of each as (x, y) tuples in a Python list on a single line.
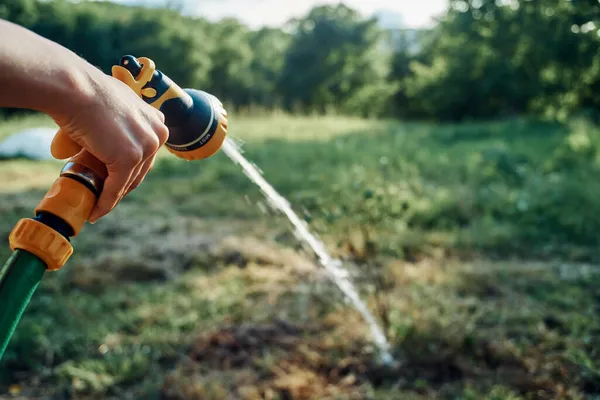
[(513, 187), (479, 230)]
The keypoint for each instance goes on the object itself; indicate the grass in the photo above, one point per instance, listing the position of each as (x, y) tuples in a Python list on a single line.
[(485, 234)]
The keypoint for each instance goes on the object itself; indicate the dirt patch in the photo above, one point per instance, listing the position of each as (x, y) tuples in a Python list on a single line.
[(242, 251), (158, 250), (148, 252), (284, 360), (280, 360)]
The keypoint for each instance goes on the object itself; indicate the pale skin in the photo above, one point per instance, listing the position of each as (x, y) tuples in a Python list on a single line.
[(99, 112)]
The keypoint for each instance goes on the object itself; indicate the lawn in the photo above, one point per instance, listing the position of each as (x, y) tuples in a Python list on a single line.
[(476, 245)]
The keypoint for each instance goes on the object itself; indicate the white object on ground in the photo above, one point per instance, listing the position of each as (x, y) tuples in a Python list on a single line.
[(31, 143)]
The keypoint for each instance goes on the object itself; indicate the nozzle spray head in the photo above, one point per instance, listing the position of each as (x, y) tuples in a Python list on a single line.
[(197, 120), (201, 131)]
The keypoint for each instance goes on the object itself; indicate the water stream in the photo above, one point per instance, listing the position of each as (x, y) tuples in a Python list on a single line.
[(336, 271)]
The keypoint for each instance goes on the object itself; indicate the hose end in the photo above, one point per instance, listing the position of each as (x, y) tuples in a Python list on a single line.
[(41, 240)]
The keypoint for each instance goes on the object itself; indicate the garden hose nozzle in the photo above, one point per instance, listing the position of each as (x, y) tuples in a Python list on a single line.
[(197, 124), (196, 120)]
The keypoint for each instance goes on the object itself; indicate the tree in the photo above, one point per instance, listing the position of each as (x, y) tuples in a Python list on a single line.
[(231, 57), (268, 46), (488, 58), (335, 62)]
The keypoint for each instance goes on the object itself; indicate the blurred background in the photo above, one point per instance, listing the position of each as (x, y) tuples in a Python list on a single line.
[(447, 151)]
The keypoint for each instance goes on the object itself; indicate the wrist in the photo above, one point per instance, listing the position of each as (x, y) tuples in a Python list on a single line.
[(74, 86)]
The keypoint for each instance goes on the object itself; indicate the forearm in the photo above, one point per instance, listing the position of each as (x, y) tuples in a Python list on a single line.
[(38, 74)]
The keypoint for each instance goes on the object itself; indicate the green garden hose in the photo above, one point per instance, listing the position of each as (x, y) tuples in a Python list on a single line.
[(19, 278)]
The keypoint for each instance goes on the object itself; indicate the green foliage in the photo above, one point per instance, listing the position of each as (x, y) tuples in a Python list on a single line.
[(334, 60), (485, 58), (267, 46), (244, 68), (488, 58)]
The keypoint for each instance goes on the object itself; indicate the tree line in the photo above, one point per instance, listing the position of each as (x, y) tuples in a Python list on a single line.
[(484, 59)]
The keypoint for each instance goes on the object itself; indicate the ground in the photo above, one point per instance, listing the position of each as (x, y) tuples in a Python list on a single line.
[(475, 245)]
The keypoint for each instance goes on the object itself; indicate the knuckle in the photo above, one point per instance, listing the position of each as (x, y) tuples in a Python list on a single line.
[(162, 133), (161, 116), (150, 144), (129, 156), (134, 156)]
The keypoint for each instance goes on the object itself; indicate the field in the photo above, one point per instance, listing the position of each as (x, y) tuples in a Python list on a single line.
[(476, 245)]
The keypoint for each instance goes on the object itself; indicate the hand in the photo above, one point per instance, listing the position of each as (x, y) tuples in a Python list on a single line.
[(100, 113), (119, 129)]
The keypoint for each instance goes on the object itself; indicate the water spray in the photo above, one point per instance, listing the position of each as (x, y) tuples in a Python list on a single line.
[(334, 267)]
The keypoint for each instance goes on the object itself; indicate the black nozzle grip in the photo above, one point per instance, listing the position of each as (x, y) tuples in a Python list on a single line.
[(190, 128), (177, 111)]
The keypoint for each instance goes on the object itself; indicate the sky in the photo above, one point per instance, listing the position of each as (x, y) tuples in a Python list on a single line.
[(257, 13)]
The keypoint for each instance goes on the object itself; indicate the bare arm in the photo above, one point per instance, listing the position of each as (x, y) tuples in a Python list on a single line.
[(100, 113), (38, 74)]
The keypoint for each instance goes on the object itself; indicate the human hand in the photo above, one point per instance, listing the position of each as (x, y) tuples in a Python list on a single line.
[(118, 128), (99, 113)]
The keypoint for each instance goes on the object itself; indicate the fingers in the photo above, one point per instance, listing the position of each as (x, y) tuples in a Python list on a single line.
[(132, 165), (151, 148), (132, 179), (119, 175), (143, 171), (161, 117)]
